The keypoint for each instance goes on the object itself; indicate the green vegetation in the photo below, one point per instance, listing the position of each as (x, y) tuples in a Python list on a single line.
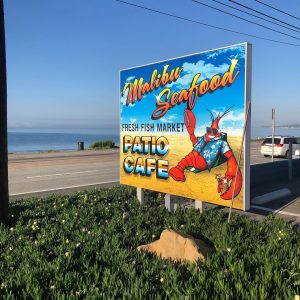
[(83, 246), (102, 145)]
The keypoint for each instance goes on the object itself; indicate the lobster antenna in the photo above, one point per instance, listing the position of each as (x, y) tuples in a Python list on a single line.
[(211, 115), (226, 111)]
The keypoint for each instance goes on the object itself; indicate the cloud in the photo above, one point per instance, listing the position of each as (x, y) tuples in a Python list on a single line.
[(132, 120), (212, 55), (124, 98), (236, 52), (232, 123), (169, 119), (130, 78), (201, 130), (233, 131), (190, 69), (234, 116)]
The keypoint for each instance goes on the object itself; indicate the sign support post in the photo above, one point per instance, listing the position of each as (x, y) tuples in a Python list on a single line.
[(140, 193), (171, 202), (199, 205)]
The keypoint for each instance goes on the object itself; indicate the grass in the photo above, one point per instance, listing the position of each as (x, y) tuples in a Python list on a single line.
[(102, 145), (83, 246)]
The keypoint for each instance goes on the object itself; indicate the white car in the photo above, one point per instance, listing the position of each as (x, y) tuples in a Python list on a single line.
[(281, 145)]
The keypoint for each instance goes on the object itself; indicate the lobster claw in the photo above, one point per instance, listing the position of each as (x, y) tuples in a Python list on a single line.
[(189, 121), (230, 187), (222, 184)]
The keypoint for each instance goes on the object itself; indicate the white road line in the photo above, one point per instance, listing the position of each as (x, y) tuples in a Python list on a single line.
[(259, 163), (66, 187), (276, 211), (62, 174)]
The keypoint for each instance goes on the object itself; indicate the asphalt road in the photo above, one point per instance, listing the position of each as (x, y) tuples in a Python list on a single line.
[(257, 157), (44, 173)]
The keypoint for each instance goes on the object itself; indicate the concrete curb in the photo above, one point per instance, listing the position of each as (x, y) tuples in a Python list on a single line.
[(271, 196)]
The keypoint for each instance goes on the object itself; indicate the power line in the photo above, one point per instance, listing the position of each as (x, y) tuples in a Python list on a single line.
[(253, 15), (246, 20), (277, 9), (204, 24), (259, 12)]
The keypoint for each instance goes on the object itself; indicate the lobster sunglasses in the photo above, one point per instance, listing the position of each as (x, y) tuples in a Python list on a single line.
[(211, 130)]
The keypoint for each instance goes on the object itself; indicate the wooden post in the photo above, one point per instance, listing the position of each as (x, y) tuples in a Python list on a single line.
[(140, 195), (4, 198), (199, 205)]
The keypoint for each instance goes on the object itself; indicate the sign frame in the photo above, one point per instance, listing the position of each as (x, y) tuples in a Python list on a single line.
[(247, 102)]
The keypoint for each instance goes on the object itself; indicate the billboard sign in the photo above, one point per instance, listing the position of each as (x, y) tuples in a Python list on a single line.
[(182, 124)]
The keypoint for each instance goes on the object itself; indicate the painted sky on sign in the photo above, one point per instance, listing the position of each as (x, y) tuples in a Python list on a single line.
[(208, 64)]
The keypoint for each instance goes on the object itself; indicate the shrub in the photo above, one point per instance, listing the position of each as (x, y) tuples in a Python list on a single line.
[(83, 246), (102, 145)]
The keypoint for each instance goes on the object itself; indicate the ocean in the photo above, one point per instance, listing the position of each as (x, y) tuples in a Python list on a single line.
[(43, 140)]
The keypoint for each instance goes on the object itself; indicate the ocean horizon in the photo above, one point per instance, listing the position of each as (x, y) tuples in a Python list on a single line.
[(43, 140)]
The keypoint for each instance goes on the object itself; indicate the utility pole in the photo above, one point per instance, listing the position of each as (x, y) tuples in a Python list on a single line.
[(273, 131), (4, 198)]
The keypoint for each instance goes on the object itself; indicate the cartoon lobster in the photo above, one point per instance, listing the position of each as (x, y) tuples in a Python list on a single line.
[(209, 151)]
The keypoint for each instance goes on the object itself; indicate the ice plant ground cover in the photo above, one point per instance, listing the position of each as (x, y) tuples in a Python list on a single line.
[(83, 246)]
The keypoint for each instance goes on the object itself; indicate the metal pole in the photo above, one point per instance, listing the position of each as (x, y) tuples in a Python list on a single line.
[(290, 162), (4, 200), (273, 132)]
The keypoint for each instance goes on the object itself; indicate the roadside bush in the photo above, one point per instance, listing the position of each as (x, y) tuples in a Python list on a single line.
[(83, 246), (102, 145)]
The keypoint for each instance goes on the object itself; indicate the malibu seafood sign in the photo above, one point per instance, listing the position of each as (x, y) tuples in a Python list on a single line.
[(182, 125)]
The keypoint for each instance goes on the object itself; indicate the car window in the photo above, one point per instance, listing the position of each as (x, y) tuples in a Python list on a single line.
[(269, 141), (287, 140)]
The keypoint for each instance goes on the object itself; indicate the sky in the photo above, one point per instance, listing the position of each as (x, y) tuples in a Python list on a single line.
[(64, 57)]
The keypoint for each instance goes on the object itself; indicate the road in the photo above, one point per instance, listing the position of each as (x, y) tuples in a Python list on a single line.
[(44, 173), (257, 157)]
